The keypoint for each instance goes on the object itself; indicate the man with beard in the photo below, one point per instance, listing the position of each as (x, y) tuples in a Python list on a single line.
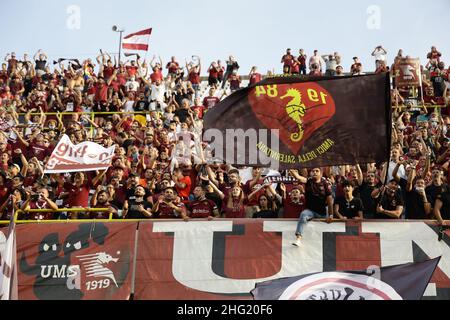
[(391, 204), (100, 199), (436, 187), (167, 208), (138, 207), (40, 200), (202, 207), (416, 201), (364, 192)]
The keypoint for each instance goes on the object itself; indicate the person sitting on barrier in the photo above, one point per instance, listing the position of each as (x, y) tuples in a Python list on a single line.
[(319, 201), (39, 200)]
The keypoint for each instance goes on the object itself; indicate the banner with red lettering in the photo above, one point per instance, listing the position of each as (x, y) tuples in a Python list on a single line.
[(86, 156)]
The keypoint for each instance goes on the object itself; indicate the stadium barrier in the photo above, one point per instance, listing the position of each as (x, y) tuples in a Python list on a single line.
[(219, 259)]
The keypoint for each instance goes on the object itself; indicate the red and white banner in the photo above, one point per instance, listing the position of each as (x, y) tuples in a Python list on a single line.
[(8, 270), (137, 40), (86, 156), (220, 259)]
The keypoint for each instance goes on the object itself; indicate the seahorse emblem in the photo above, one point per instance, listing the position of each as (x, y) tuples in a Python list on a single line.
[(296, 110)]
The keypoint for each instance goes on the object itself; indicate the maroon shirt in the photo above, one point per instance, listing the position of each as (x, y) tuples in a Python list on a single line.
[(166, 212), (292, 209), (210, 102), (201, 208), (78, 197)]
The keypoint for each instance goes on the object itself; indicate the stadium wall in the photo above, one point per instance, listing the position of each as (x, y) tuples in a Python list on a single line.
[(221, 259)]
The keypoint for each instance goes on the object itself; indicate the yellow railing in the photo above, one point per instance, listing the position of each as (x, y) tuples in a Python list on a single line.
[(60, 210)]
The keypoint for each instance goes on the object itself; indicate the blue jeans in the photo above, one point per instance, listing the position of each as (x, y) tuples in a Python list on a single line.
[(303, 220)]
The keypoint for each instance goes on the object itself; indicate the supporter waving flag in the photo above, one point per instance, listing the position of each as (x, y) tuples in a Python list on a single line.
[(137, 40), (86, 156), (400, 282)]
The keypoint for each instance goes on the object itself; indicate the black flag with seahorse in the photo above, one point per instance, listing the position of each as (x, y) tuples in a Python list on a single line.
[(294, 122)]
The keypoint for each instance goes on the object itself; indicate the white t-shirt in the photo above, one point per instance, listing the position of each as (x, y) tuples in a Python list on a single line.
[(401, 171), (379, 54), (158, 92)]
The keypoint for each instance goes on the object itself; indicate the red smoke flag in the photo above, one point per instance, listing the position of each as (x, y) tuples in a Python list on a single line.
[(137, 41)]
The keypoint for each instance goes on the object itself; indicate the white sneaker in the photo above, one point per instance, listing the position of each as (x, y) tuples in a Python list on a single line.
[(297, 242)]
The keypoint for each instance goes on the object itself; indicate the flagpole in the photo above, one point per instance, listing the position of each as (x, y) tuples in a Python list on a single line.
[(120, 44)]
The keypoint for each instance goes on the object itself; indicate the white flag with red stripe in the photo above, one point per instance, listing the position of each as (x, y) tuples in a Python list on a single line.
[(86, 156), (8, 270), (137, 41)]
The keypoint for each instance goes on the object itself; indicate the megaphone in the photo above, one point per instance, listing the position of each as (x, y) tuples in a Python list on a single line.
[(115, 28)]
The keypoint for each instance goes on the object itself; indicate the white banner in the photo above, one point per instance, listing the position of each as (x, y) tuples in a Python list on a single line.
[(8, 271), (86, 156)]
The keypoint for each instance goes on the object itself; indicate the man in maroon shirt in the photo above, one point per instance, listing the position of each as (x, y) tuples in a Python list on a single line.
[(202, 207), (173, 66), (211, 100), (294, 202), (78, 192), (100, 200), (254, 76), (167, 208)]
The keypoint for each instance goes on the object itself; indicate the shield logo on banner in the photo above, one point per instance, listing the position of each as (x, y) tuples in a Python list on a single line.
[(296, 109)]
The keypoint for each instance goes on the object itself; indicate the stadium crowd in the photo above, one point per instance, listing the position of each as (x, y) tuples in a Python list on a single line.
[(41, 100)]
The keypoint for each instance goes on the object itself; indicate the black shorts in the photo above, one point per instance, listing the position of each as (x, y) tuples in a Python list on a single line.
[(212, 81)]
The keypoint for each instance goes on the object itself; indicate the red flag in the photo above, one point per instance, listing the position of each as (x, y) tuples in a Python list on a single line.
[(137, 40)]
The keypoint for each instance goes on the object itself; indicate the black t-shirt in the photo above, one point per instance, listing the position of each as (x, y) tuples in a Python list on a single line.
[(133, 212), (445, 198), (414, 205), (390, 204), (316, 195), (141, 105), (364, 192), (432, 191), (351, 208), (182, 114), (265, 214), (214, 197), (40, 64)]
